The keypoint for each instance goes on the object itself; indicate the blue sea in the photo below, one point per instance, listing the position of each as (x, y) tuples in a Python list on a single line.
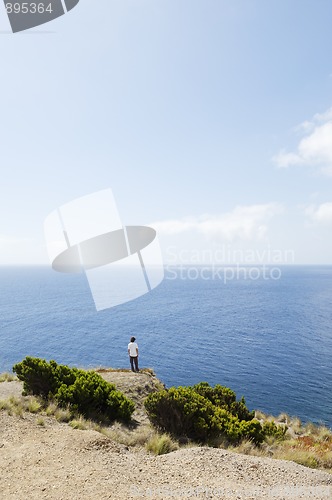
[(268, 339)]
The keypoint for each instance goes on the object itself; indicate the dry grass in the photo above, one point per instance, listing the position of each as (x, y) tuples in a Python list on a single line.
[(299, 455), (62, 415), (309, 445), (33, 405), (51, 409), (283, 418), (84, 424), (79, 423), (129, 437), (306, 444), (320, 432), (119, 433), (7, 377), (123, 370), (160, 444), (259, 415), (19, 405), (5, 404), (13, 406), (296, 426), (40, 421), (247, 447)]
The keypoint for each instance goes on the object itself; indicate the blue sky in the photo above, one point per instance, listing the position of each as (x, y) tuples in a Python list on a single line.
[(209, 119)]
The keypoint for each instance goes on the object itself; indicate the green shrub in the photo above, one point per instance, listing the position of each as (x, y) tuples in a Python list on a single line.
[(91, 395), (83, 392), (37, 375), (202, 413), (277, 431), (224, 397), (182, 412)]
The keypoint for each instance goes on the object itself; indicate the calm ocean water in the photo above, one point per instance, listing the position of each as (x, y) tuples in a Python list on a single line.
[(269, 340)]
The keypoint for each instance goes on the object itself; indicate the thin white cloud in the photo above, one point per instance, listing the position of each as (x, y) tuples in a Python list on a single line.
[(284, 159), (315, 147), (304, 128), (321, 214), (323, 117), (244, 223)]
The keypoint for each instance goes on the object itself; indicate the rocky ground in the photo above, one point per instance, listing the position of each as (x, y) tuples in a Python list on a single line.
[(55, 461)]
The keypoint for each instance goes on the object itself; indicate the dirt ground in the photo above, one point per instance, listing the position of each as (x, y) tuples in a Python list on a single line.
[(55, 461)]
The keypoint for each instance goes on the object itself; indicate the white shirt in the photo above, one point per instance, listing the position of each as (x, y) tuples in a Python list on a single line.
[(132, 346)]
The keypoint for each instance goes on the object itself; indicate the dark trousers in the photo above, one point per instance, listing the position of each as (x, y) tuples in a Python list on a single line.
[(134, 361)]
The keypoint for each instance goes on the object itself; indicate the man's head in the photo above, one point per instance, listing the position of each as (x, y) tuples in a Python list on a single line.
[(132, 339)]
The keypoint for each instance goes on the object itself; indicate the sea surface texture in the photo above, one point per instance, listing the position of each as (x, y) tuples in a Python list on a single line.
[(268, 339)]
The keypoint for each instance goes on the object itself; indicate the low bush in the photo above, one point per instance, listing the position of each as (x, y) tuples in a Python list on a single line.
[(224, 397), (203, 413), (82, 391), (276, 431)]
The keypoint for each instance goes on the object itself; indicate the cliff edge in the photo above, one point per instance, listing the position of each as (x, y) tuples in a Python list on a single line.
[(44, 458)]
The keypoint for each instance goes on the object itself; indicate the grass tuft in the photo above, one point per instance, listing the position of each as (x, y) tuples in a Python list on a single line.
[(62, 415), (5, 405), (160, 444), (40, 421), (309, 445), (80, 423), (7, 377), (33, 405), (132, 438), (51, 409)]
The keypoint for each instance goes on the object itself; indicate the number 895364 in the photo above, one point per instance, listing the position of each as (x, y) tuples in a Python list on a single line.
[(28, 8)]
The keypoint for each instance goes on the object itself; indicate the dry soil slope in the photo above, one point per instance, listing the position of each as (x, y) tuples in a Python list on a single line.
[(58, 462)]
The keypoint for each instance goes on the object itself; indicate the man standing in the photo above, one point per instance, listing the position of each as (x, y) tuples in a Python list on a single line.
[(133, 354)]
